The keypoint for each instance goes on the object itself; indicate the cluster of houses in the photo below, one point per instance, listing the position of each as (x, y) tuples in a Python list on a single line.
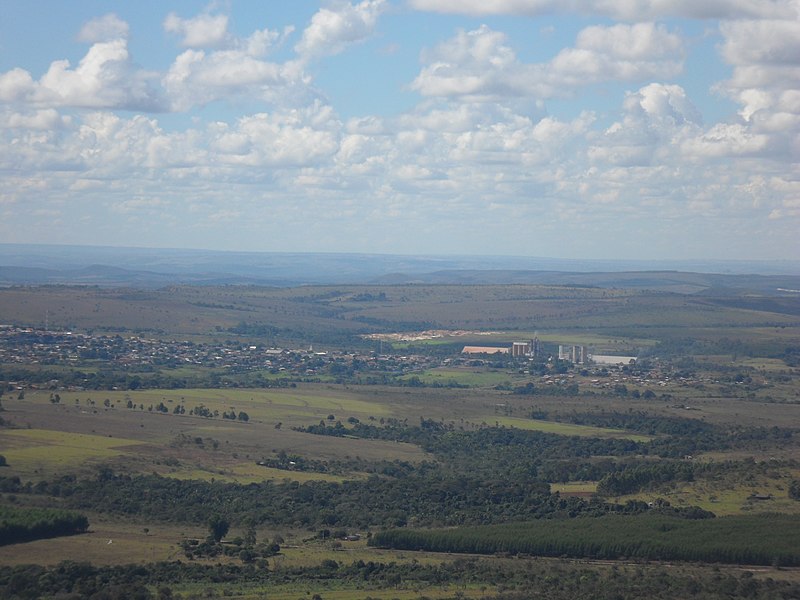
[(21, 345)]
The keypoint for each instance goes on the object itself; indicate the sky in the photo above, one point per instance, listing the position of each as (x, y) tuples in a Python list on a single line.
[(614, 129)]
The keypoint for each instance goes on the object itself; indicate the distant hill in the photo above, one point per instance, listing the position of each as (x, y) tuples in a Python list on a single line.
[(22, 264), (664, 281)]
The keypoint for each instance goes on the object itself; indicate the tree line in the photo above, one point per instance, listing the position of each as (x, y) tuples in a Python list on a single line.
[(26, 524), (749, 539), (502, 580), (376, 502)]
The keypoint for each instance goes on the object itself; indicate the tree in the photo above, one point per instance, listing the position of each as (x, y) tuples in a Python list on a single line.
[(794, 490), (250, 535), (218, 527)]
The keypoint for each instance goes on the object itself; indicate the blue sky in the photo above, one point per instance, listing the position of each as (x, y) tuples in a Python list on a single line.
[(653, 129)]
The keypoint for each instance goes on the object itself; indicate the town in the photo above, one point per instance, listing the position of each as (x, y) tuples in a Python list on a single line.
[(73, 361)]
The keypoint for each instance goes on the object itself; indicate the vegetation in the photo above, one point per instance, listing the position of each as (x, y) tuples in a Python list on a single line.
[(759, 540), (203, 418), (468, 577), (26, 524), (375, 502)]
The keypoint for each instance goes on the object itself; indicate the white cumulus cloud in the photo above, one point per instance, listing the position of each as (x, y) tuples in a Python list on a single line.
[(620, 52), (480, 63), (104, 78), (102, 29), (334, 28), (203, 31), (630, 10)]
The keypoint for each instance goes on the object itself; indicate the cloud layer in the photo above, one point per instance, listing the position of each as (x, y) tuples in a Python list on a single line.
[(478, 160)]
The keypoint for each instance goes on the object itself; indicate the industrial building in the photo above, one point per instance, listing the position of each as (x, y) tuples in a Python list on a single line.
[(574, 354), (528, 349)]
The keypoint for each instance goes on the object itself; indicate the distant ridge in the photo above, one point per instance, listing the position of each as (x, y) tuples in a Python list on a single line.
[(22, 264), (663, 281)]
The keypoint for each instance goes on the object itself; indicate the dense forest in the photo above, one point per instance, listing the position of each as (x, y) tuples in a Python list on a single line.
[(749, 539), (372, 503), (26, 524)]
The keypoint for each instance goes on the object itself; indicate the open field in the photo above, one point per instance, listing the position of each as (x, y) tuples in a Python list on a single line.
[(576, 488), (80, 435), (108, 542), (732, 494), (465, 376), (288, 406), (70, 436), (569, 429), (45, 453), (140, 440)]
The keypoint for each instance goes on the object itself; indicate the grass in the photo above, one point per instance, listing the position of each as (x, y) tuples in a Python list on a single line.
[(767, 364), (583, 338), (730, 495), (47, 453), (338, 591), (128, 544), (294, 406), (569, 429), (68, 438), (574, 487), (468, 377)]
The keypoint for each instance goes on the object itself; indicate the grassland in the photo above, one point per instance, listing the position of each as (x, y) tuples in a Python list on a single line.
[(286, 406), (575, 488), (569, 429), (471, 377), (80, 433), (732, 494), (47, 453)]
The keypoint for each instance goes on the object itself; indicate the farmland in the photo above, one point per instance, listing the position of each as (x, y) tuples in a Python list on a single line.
[(315, 416)]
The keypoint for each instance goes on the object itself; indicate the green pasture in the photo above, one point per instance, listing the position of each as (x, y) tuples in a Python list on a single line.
[(574, 487), (730, 495), (109, 541), (584, 338), (766, 364), (63, 436), (568, 429), (469, 377), (49, 453), (295, 406)]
